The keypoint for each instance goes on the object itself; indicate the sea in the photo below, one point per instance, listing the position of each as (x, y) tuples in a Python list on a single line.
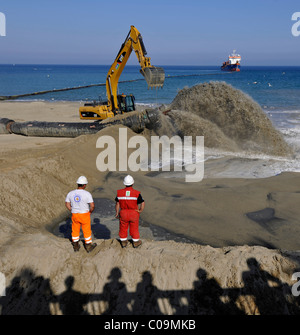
[(275, 88)]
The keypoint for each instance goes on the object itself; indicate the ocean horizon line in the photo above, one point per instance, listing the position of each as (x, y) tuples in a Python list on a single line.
[(137, 65)]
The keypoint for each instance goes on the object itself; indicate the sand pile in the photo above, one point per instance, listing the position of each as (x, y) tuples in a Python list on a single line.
[(228, 118), (228, 272), (45, 276), (161, 278)]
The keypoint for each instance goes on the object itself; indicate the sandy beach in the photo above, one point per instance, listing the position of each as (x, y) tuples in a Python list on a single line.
[(237, 229)]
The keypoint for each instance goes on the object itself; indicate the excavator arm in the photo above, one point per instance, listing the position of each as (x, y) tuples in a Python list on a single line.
[(154, 76)]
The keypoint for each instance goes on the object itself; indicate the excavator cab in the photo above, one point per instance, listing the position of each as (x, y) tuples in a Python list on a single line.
[(126, 103)]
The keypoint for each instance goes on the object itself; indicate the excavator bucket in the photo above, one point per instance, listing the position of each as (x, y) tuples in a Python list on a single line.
[(155, 76)]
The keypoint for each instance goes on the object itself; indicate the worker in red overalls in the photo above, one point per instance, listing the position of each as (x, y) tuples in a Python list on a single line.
[(129, 205)]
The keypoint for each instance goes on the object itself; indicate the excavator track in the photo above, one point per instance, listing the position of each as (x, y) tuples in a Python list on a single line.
[(154, 76)]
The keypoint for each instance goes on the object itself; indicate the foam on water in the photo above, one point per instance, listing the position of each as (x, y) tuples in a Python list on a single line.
[(220, 164), (245, 165), (249, 165)]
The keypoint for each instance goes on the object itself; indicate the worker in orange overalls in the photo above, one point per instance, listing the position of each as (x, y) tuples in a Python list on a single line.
[(129, 205), (80, 202)]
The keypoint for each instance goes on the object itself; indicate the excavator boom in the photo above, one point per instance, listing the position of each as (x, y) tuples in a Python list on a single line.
[(154, 76)]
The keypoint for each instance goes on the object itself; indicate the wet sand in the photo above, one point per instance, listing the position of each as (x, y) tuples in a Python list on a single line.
[(214, 211), (230, 219), (106, 226)]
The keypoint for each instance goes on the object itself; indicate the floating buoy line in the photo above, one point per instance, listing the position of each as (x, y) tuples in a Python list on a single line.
[(13, 97)]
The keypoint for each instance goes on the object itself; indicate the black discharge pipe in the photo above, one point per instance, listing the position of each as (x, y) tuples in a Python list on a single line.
[(4, 125), (136, 122), (53, 129)]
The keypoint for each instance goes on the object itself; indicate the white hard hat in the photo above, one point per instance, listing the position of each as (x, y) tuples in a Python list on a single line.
[(128, 180), (82, 180)]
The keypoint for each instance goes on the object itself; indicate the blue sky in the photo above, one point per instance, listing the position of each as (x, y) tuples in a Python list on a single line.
[(185, 32)]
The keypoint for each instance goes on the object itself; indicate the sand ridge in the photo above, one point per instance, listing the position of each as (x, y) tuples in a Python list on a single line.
[(235, 261)]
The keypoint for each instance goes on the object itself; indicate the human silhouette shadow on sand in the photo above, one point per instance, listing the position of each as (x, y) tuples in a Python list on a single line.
[(146, 297), (32, 295), (268, 299), (72, 302)]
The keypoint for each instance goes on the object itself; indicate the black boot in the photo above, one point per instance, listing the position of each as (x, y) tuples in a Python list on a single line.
[(76, 246), (89, 247), (137, 244)]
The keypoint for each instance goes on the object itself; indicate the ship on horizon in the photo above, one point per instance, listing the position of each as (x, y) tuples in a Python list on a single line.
[(233, 63)]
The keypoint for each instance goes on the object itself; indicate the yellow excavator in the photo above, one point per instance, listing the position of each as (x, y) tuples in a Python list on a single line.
[(119, 104)]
